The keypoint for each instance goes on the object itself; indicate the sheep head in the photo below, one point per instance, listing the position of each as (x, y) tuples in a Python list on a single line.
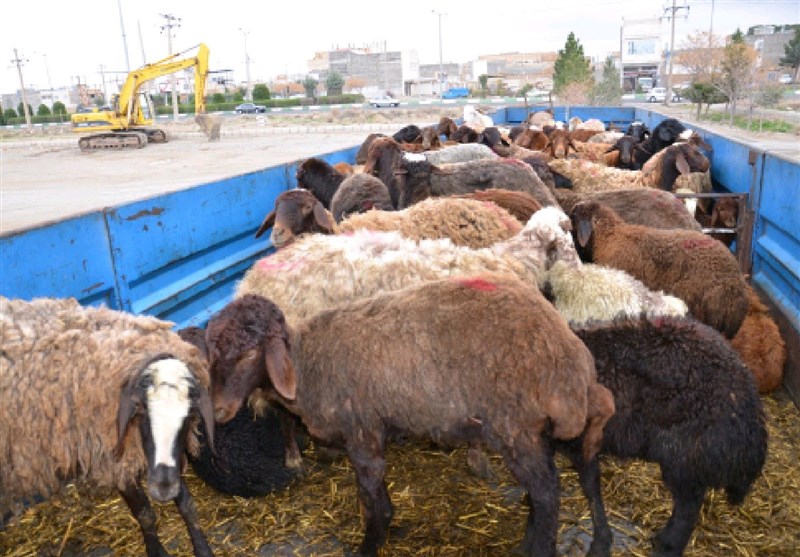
[(248, 344), (164, 396), (588, 217), (296, 212)]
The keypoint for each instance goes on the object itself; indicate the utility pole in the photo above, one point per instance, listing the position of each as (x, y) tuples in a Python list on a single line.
[(103, 78), (249, 92), (124, 39), (141, 42), (172, 21), (441, 65), (673, 10), (19, 63)]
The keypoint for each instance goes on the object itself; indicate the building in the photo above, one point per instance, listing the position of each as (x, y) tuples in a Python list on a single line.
[(769, 43), (641, 52), (381, 70)]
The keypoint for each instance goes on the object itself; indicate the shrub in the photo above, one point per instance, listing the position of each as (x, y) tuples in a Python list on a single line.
[(261, 92), (218, 98), (9, 113), (59, 108), (43, 110)]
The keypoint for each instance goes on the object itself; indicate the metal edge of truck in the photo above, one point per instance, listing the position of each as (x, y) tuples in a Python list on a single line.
[(178, 256)]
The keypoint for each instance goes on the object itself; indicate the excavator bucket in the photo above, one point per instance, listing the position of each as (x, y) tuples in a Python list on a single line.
[(210, 124)]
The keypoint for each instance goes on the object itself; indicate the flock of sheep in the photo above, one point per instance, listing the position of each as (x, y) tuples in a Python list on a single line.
[(526, 291)]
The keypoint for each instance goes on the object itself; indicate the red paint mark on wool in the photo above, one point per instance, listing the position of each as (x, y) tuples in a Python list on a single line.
[(478, 284), (266, 265), (699, 244)]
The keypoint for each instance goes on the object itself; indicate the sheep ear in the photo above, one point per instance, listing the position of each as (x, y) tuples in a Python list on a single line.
[(207, 415), (130, 403), (269, 222), (683, 166), (323, 218), (612, 149), (280, 369), (584, 231)]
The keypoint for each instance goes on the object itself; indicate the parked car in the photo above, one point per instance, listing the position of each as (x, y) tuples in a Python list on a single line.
[(383, 100), (659, 94), (250, 108)]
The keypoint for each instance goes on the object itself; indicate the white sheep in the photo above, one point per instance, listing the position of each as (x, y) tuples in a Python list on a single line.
[(103, 398), (475, 119), (462, 152)]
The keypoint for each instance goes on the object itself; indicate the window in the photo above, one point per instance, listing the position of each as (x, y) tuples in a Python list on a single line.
[(641, 46)]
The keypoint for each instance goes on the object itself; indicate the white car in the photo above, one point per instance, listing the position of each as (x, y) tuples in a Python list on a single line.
[(383, 100), (658, 94)]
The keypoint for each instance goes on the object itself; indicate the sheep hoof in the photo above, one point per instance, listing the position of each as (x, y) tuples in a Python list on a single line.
[(295, 463)]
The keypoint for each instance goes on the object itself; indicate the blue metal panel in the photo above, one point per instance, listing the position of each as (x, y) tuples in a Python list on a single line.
[(619, 116), (70, 258)]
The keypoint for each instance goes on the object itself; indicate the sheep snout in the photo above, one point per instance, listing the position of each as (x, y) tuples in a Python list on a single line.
[(163, 483)]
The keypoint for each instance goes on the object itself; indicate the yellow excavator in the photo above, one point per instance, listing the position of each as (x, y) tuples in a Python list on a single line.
[(128, 124)]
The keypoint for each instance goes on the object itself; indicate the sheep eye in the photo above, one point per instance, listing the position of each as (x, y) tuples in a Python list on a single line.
[(248, 357)]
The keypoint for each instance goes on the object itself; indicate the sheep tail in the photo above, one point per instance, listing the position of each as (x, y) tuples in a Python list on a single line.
[(600, 408)]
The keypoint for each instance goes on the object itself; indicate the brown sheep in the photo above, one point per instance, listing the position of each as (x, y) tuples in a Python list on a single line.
[(760, 345), (583, 135), (344, 168), (646, 206), (724, 214), (523, 378), (296, 211), (559, 143), (685, 263), (360, 193), (520, 204), (361, 155), (447, 127), (535, 140)]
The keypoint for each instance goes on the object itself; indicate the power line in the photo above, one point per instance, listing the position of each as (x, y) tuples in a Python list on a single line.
[(172, 21), (19, 62)]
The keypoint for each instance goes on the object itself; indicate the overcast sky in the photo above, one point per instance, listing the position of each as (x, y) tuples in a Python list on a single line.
[(73, 39)]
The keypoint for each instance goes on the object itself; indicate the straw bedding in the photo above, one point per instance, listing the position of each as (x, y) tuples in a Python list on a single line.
[(440, 509)]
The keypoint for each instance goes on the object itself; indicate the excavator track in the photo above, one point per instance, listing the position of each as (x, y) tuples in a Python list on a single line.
[(113, 140)]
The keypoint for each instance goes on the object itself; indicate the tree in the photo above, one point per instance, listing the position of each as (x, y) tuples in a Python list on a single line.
[(59, 108), (571, 66), (43, 110), (700, 54), (21, 112), (792, 54), (737, 72), (9, 113), (483, 79), (354, 84), (261, 92), (609, 91), (702, 93), (737, 37), (218, 98), (310, 86), (334, 83), (238, 96)]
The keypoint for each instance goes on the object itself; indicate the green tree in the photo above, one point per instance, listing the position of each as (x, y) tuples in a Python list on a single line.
[(609, 91), (701, 93), (218, 98), (9, 113), (310, 85), (571, 66), (43, 110), (483, 79), (737, 37), (21, 112), (261, 92), (334, 83), (792, 54), (738, 68), (59, 108), (238, 96)]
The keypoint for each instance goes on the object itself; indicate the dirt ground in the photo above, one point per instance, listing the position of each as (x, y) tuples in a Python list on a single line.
[(44, 177)]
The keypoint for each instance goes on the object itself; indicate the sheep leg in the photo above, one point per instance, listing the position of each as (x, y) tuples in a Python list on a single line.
[(478, 461), (294, 461), (589, 478), (535, 470), (188, 512), (137, 501), (370, 467), (672, 539)]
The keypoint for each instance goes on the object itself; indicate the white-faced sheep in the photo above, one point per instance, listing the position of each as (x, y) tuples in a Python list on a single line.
[(318, 272), (647, 206), (465, 222), (102, 398), (522, 379), (699, 270), (320, 178), (418, 180), (685, 401), (475, 119)]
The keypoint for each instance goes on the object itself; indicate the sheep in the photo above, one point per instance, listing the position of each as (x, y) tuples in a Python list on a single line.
[(458, 153), (344, 168), (465, 222), (447, 127), (464, 134), (671, 162), (593, 292), (418, 180), (587, 176), (103, 398), (685, 263), (248, 455), (296, 211), (475, 119), (318, 272), (760, 345), (407, 134), (724, 214), (522, 379), (492, 138), (584, 135), (605, 137), (662, 136), (685, 401), (520, 204), (560, 143), (535, 140), (545, 174), (361, 155), (360, 193), (429, 138), (626, 147), (646, 206), (320, 178), (541, 119), (638, 131)]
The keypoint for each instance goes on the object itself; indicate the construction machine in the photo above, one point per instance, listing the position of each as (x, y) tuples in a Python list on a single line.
[(128, 124)]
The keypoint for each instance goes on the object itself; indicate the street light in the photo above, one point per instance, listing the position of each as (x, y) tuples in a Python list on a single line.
[(248, 92), (441, 66)]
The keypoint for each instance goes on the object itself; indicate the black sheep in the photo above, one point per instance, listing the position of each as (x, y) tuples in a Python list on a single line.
[(407, 134), (663, 135), (684, 400), (638, 131), (320, 178)]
